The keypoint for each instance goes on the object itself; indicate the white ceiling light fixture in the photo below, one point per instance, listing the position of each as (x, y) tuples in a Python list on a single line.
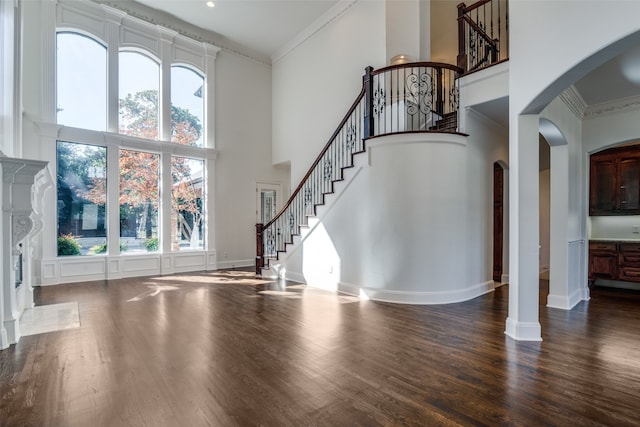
[(210, 4)]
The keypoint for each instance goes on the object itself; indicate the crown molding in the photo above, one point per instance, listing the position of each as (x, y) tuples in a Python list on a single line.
[(574, 101), (318, 25), (164, 20), (613, 107)]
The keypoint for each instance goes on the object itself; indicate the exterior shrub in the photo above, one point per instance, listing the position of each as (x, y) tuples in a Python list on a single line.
[(151, 244), (68, 245)]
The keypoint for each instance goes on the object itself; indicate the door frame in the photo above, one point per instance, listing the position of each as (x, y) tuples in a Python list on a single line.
[(265, 185)]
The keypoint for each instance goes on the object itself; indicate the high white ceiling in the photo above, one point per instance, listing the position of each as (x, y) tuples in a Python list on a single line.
[(616, 79), (264, 26), (260, 25)]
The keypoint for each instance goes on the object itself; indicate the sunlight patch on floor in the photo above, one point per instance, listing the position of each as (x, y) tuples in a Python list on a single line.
[(224, 278), (49, 318)]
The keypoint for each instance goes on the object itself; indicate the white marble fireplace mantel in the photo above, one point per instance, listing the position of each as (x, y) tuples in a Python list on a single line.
[(18, 177)]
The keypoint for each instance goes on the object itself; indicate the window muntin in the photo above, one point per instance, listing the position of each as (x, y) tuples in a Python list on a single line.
[(81, 82), (187, 106), (187, 201), (139, 86), (139, 201), (82, 199), (82, 216)]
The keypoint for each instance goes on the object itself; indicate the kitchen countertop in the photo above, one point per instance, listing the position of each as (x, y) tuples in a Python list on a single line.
[(591, 239)]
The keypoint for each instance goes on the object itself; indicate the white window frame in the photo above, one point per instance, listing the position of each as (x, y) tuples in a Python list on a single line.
[(118, 31)]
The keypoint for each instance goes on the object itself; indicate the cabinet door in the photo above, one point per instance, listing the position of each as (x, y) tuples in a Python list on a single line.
[(603, 266), (629, 184), (602, 193)]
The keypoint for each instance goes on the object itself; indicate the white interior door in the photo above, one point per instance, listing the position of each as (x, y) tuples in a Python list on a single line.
[(268, 201)]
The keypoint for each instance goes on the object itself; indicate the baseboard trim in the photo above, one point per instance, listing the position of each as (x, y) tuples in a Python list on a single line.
[(504, 280), (565, 302), (523, 331), (223, 265), (417, 297)]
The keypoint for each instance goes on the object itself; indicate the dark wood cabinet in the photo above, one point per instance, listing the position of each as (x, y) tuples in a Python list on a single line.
[(603, 260), (614, 185), (629, 262), (614, 261), (629, 183)]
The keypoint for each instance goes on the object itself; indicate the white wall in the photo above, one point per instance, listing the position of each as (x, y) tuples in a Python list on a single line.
[(487, 143), (8, 26), (243, 138), (562, 130), (315, 82), (569, 48), (413, 225), (573, 31)]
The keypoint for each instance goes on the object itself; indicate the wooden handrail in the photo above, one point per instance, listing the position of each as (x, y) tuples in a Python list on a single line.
[(344, 121), (315, 163), (475, 5), (419, 64), (349, 138), (480, 31), (474, 20)]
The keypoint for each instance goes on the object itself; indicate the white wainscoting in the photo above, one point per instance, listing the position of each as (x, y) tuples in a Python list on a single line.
[(88, 268)]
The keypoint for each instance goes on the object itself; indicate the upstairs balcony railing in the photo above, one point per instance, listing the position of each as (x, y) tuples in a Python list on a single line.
[(483, 34), (417, 97)]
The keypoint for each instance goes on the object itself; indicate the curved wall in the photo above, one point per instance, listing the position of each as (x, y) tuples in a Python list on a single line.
[(399, 228)]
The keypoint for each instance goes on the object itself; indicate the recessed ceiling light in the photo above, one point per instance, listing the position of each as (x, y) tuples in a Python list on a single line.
[(210, 4)]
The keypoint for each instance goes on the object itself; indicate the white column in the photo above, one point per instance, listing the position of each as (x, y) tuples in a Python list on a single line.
[(114, 19), (559, 252), (166, 43), (210, 142), (4, 258), (523, 322), (164, 233), (113, 212), (48, 62), (210, 95)]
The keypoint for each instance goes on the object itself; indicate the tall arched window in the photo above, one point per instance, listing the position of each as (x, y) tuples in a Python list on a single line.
[(159, 189), (81, 82), (139, 87), (187, 106)]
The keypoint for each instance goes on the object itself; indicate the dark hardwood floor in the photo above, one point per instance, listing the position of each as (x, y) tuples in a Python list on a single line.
[(223, 349)]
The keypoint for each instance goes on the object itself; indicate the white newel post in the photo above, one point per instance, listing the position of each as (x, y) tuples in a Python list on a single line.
[(18, 177)]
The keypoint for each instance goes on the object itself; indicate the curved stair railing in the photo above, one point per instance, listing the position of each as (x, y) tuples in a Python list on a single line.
[(483, 34), (416, 97)]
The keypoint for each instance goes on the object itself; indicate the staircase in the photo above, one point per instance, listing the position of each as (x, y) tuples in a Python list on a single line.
[(415, 97), (448, 123), (392, 100)]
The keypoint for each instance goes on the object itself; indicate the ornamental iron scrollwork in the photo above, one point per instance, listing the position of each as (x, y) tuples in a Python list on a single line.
[(472, 46), (270, 243), (419, 93), (292, 223), (379, 100), (454, 97), (308, 196), (351, 138), (328, 170), (475, 44)]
